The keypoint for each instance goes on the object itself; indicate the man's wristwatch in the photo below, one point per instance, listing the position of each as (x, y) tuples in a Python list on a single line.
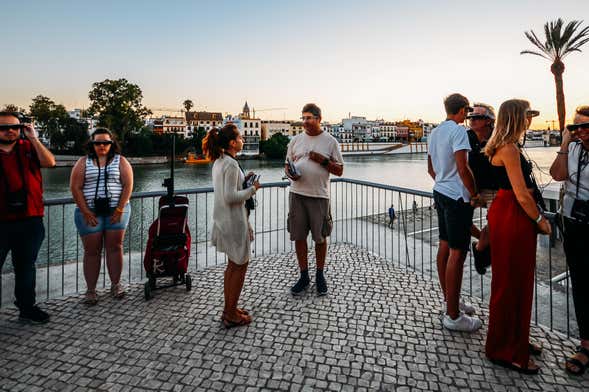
[(325, 162)]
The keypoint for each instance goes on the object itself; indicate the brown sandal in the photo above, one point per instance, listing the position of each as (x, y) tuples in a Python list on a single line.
[(239, 323), (535, 349), (513, 366), (574, 361)]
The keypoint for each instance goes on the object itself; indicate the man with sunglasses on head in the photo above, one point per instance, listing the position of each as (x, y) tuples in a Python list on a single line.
[(311, 157), (21, 208), (454, 192), (482, 122)]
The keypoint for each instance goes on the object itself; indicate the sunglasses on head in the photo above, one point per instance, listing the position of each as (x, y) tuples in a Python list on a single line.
[(532, 113), (575, 127), (8, 127), (102, 143)]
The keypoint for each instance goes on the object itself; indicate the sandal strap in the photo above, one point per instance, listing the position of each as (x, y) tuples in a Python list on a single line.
[(584, 351), (577, 363)]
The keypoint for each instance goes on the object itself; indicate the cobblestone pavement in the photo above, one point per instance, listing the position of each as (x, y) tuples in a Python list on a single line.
[(378, 329)]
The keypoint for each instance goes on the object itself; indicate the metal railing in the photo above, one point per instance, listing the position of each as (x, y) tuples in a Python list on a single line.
[(360, 214)]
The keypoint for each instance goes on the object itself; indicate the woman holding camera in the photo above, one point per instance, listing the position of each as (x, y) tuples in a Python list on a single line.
[(101, 185), (231, 232), (570, 166), (514, 220)]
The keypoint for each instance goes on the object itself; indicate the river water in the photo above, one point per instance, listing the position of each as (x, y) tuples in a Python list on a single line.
[(404, 170)]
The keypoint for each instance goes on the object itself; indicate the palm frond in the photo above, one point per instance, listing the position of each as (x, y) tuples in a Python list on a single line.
[(575, 48), (534, 40), (580, 36), (555, 36), (535, 54)]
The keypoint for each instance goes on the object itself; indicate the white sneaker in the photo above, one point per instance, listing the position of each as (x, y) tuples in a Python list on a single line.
[(462, 306), (463, 323)]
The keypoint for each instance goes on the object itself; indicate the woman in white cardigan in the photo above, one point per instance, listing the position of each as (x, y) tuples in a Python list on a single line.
[(231, 232)]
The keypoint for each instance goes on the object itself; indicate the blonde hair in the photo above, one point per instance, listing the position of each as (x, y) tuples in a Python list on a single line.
[(510, 126)]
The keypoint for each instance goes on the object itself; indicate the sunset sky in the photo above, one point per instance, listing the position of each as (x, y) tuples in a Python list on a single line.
[(380, 59)]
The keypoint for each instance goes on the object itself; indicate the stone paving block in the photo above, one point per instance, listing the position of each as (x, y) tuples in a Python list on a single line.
[(378, 329)]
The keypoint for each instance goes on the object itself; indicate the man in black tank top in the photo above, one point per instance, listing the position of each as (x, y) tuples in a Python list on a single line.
[(482, 122)]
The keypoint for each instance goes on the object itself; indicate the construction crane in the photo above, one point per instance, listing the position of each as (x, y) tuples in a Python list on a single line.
[(265, 110)]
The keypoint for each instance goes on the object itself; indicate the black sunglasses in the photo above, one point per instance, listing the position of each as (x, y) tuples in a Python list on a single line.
[(8, 127), (103, 143), (574, 127), (477, 117)]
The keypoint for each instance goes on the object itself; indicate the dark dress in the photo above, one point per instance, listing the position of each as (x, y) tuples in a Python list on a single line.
[(513, 235)]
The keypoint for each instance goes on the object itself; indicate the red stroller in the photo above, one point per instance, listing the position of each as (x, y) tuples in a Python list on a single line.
[(168, 243)]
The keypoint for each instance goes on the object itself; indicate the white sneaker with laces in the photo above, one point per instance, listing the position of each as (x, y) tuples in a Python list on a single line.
[(462, 306), (463, 323)]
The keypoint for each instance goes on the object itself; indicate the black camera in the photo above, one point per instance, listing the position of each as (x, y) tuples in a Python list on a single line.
[(17, 200), (102, 206), (580, 211)]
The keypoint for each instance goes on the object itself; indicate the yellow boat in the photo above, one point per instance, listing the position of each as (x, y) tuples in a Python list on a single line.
[(193, 159)]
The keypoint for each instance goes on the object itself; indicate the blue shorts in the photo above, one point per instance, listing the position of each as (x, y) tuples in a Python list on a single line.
[(103, 222)]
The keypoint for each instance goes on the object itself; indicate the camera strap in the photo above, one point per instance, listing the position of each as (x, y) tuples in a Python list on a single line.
[(98, 179), (21, 169), (240, 168)]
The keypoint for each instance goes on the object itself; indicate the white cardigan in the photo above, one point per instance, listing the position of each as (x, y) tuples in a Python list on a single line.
[(230, 229)]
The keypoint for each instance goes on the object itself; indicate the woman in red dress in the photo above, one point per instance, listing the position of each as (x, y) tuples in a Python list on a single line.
[(514, 221)]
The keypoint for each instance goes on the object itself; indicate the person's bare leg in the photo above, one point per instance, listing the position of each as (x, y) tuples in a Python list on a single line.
[(454, 281), (242, 272), (113, 244), (92, 254), (484, 239), (232, 289), (321, 254), (301, 249), (442, 261)]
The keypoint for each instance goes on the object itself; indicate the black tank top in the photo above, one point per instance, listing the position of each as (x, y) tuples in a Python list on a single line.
[(502, 179)]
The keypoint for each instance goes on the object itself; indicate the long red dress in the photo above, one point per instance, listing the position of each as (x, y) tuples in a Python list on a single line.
[(513, 257)]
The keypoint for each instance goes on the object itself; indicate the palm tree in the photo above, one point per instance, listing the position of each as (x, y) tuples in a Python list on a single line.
[(188, 104), (559, 44)]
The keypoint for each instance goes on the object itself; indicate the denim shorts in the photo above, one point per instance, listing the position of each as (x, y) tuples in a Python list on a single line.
[(103, 222)]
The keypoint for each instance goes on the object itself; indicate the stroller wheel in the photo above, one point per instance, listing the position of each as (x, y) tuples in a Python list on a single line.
[(151, 282), (188, 279), (147, 291)]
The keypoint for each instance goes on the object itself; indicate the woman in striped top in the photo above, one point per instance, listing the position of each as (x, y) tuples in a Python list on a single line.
[(101, 185)]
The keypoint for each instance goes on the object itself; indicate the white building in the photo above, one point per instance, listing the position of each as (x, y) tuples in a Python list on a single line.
[(250, 129), (203, 120), (271, 127)]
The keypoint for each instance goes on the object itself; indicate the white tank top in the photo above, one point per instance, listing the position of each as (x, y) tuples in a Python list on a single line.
[(114, 186)]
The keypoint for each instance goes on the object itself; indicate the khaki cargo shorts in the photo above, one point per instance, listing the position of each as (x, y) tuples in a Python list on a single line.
[(308, 214)]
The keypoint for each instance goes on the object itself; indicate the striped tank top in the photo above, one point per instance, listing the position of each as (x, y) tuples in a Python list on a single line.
[(114, 186)]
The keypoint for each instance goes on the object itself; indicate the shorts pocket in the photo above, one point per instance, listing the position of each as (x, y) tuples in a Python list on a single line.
[(327, 226)]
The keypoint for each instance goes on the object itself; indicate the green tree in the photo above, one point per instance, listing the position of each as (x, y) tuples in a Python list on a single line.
[(559, 44), (117, 103), (12, 108), (275, 147), (140, 144), (75, 133), (188, 104), (49, 118)]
